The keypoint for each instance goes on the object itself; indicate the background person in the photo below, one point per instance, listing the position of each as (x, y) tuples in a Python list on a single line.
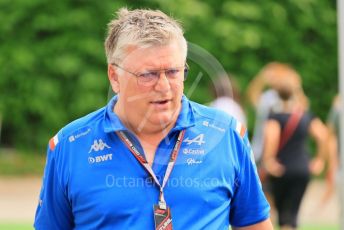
[(227, 98), (262, 94), (333, 149), (286, 156)]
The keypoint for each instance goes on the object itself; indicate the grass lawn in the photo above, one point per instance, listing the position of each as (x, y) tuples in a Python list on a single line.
[(13, 162), (16, 226)]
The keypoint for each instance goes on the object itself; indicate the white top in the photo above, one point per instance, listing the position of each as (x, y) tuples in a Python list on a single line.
[(268, 101), (231, 107)]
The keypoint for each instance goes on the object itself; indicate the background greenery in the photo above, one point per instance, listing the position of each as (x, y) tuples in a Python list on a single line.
[(53, 67)]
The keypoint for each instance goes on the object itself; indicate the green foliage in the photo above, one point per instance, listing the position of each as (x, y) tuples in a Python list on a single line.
[(18, 163), (53, 67)]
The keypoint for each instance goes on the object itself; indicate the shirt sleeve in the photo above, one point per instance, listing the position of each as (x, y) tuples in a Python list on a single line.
[(54, 209), (249, 205)]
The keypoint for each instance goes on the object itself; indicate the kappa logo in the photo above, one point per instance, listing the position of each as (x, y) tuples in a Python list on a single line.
[(98, 146), (99, 159), (198, 140)]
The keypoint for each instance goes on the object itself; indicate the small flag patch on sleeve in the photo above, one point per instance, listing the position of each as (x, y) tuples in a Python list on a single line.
[(53, 142), (240, 129)]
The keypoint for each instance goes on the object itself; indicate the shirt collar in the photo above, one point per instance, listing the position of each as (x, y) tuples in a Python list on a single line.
[(113, 123), (186, 117)]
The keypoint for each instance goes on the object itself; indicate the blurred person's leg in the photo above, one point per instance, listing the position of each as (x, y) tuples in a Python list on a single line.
[(279, 194), (297, 192), (267, 189), (288, 193)]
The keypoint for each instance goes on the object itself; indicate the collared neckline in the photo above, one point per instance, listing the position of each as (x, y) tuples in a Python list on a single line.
[(113, 123), (186, 117)]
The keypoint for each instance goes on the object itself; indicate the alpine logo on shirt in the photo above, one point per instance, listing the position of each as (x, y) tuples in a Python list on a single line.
[(199, 140), (193, 152)]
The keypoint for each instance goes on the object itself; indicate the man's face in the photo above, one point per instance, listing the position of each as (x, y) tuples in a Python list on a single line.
[(146, 105)]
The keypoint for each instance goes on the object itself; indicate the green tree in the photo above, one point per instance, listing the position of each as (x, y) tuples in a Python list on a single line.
[(53, 67)]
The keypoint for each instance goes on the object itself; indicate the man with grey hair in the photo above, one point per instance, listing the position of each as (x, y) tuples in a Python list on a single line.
[(150, 159)]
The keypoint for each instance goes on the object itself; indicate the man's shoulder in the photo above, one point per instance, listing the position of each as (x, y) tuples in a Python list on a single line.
[(208, 116), (220, 126), (83, 124), (203, 112)]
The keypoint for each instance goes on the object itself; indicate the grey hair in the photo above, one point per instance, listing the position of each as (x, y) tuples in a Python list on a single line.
[(141, 28)]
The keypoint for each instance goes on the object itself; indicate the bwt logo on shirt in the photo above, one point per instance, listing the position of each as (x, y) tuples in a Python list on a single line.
[(99, 159), (98, 145)]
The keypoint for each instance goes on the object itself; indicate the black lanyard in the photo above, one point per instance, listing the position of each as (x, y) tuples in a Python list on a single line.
[(144, 163)]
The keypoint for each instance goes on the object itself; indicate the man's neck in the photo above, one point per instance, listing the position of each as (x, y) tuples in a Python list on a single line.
[(149, 133), (153, 135)]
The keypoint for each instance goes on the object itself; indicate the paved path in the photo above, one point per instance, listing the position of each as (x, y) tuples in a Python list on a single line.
[(312, 212), (19, 196)]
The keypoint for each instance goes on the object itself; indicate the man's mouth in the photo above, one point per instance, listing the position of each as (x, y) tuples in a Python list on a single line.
[(160, 102)]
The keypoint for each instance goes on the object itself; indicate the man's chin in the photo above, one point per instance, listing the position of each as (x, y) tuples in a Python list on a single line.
[(162, 120)]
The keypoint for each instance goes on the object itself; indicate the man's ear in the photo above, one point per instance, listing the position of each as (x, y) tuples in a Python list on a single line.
[(113, 78)]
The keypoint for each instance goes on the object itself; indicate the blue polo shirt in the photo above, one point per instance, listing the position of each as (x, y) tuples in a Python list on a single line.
[(92, 180)]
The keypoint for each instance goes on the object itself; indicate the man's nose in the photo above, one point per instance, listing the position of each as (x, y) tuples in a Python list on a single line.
[(163, 83)]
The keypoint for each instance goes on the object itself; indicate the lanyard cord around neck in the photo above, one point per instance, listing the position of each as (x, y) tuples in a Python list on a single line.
[(144, 163)]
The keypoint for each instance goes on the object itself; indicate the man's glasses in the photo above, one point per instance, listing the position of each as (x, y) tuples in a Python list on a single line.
[(151, 77)]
